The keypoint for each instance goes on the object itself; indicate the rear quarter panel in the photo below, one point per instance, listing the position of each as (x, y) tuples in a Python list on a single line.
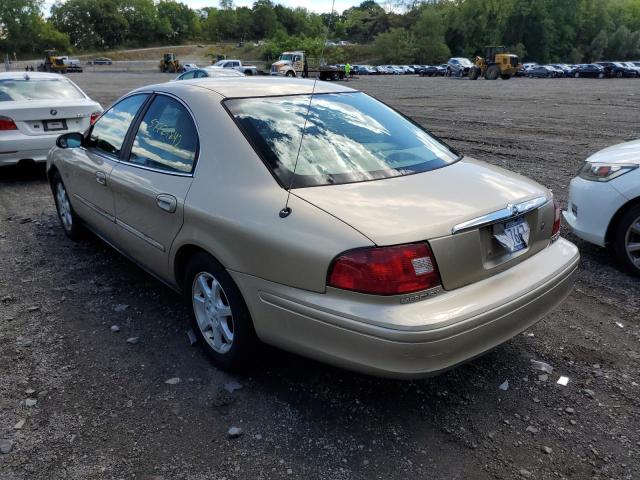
[(232, 210)]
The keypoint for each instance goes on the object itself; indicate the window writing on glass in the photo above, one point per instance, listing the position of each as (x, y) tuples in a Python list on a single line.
[(167, 138)]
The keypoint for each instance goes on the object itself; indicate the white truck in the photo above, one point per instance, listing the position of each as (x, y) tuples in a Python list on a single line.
[(291, 64), (237, 65)]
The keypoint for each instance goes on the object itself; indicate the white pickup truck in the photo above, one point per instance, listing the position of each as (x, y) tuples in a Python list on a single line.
[(237, 65)]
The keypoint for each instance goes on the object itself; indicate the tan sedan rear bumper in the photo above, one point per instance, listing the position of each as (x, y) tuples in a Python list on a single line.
[(385, 338)]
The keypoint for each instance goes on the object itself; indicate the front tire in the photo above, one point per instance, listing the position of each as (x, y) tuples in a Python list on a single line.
[(492, 73), (219, 314), (69, 220), (290, 74), (626, 241)]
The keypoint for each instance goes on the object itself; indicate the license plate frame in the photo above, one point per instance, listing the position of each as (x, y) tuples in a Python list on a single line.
[(54, 125), (513, 235)]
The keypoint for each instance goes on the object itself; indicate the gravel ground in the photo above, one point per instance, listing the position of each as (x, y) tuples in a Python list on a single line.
[(77, 401)]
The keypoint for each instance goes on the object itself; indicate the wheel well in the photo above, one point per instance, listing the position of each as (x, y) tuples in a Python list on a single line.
[(613, 224), (52, 170), (182, 259)]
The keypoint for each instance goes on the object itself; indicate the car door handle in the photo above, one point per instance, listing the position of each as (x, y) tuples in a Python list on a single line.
[(101, 178), (167, 202)]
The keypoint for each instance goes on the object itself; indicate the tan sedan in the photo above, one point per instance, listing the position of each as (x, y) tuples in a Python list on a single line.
[(392, 254)]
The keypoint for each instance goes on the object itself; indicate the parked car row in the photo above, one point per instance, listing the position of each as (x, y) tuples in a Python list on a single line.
[(422, 70), (584, 70), (460, 67)]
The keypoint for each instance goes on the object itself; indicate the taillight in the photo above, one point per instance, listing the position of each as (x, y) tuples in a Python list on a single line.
[(7, 124), (95, 116), (386, 270), (555, 231)]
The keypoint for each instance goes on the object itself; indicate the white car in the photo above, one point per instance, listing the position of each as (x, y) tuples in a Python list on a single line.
[(189, 66), (210, 72), (35, 108), (604, 203)]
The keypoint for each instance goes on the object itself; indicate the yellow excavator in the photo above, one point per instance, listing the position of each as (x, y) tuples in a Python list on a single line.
[(52, 63), (497, 62), (170, 63)]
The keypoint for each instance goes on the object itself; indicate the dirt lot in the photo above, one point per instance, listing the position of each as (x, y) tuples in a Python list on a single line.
[(104, 410)]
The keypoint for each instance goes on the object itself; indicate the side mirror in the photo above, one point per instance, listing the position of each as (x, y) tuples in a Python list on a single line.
[(70, 140)]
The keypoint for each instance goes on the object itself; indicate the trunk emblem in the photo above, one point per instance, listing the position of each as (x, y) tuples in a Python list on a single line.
[(53, 111)]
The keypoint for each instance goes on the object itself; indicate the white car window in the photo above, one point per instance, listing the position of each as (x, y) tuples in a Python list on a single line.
[(30, 88)]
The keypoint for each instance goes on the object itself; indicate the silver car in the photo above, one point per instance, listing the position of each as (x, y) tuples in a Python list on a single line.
[(326, 224)]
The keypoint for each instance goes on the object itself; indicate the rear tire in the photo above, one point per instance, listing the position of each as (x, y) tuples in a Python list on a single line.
[(71, 223), (626, 238), (219, 314)]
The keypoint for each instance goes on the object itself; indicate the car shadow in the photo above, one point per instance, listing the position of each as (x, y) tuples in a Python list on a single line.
[(23, 172)]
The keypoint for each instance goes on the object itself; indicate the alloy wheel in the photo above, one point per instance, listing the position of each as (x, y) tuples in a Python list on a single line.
[(64, 207), (632, 243), (213, 312)]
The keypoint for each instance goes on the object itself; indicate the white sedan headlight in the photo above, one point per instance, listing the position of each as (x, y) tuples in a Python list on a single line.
[(603, 172)]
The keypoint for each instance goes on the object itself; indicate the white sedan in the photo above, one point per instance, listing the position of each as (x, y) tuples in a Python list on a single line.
[(35, 108), (604, 203)]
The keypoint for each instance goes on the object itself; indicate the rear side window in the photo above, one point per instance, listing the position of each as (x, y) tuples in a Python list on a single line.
[(167, 138), (188, 75), (109, 131)]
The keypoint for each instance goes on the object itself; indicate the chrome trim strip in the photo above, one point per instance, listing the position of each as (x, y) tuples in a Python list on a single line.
[(140, 235), (173, 286), (510, 211), (95, 208)]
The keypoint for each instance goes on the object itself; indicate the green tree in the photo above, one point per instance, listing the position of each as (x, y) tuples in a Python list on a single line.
[(397, 45), (91, 23), (24, 30), (185, 24), (265, 21), (428, 38)]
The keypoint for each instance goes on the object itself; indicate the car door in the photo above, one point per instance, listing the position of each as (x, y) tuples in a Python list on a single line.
[(151, 183), (88, 169)]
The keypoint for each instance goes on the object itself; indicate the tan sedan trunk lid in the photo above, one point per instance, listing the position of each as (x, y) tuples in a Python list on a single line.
[(428, 205)]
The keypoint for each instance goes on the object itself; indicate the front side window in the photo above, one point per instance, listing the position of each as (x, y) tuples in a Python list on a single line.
[(167, 138), (188, 75), (28, 88), (109, 131), (349, 137)]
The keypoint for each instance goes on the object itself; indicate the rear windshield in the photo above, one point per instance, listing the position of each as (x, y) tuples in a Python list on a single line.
[(38, 89), (349, 137)]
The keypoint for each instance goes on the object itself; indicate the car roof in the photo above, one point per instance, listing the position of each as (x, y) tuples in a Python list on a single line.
[(20, 75), (234, 87)]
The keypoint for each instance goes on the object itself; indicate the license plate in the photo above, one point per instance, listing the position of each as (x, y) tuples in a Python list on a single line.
[(53, 125), (512, 235)]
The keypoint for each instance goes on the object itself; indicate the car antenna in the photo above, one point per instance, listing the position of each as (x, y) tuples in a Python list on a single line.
[(286, 211)]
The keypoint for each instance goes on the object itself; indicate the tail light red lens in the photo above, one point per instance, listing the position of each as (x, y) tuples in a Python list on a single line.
[(7, 124), (95, 116), (386, 270), (557, 220)]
